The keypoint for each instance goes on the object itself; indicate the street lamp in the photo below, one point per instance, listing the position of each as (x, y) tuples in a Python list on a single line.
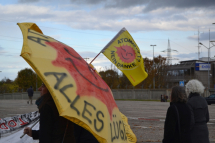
[(212, 43), (208, 63), (153, 67)]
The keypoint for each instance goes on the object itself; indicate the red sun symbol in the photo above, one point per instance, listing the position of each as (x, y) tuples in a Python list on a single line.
[(126, 53), (88, 82)]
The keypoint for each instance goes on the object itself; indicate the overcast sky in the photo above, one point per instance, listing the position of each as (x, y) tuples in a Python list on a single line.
[(88, 25)]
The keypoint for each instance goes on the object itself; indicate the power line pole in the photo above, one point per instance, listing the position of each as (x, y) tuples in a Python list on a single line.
[(169, 53), (153, 67), (198, 44), (86, 59)]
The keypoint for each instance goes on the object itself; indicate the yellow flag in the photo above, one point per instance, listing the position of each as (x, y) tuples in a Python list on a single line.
[(125, 54)]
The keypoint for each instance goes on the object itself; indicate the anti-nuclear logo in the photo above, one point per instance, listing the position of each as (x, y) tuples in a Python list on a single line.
[(126, 53)]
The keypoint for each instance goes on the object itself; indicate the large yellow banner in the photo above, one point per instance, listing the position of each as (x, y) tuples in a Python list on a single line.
[(78, 91), (124, 53)]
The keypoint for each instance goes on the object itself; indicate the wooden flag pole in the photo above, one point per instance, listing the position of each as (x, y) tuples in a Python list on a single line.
[(31, 127), (117, 35)]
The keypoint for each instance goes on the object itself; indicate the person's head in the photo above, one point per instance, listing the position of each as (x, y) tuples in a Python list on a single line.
[(30, 86), (43, 89), (178, 94), (194, 86), (45, 95)]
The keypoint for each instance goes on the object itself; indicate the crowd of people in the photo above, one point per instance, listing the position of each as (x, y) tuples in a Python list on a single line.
[(164, 98), (186, 119)]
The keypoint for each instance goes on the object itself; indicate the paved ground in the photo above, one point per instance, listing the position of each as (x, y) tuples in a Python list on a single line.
[(146, 118)]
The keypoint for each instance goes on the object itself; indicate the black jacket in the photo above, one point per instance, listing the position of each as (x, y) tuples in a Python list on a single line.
[(171, 131), (53, 126), (83, 136), (30, 92), (199, 107)]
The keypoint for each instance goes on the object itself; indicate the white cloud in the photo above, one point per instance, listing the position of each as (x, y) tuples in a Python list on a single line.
[(103, 16), (112, 18)]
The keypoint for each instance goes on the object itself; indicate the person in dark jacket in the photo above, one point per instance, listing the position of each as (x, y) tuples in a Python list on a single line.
[(53, 128), (199, 108), (178, 121), (83, 136), (30, 94)]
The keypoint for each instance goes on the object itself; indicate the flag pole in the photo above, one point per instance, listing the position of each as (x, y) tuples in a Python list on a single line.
[(31, 127), (95, 57), (121, 31)]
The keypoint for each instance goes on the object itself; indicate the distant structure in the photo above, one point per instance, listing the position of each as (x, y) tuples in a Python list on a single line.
[(198, 44), (169, 54), (86, 59), (192, 69)]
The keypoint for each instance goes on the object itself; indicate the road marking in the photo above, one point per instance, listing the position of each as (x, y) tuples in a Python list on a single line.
[(147, 127), (132, 118), (13, 114), (148, 119), (162, 120)]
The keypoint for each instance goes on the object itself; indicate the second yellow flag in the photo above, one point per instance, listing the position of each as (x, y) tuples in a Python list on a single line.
[(124, 53)]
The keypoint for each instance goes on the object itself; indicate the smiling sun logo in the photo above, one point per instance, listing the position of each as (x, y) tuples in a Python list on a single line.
[(126, 53)]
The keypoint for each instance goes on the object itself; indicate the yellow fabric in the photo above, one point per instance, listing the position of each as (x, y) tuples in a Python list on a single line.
[(93, 68), (125, 54), (79, 93), (131, 136)]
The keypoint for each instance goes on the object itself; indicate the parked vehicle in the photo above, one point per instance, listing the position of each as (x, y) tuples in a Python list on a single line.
[(210, 99)]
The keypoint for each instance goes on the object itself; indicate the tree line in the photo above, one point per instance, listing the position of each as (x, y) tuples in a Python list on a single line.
[(25, 78), (113, 77), (117, 80)]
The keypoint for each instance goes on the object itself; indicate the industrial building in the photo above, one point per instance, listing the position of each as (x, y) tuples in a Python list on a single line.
[(192, 69)]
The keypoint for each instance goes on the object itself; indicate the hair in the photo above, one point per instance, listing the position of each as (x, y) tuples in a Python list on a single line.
[(178, 94), (194, 86), (46, 97), (30, 86)]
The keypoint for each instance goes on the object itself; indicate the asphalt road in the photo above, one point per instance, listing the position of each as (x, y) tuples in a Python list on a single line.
[(146, 118)]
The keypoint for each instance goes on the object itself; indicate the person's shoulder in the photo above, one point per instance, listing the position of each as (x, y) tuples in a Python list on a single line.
[(46, 106), (171, 108), (194, 98), (52, 106)]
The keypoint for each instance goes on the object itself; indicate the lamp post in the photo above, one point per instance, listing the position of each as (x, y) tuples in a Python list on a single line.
[(153, 67), (208, 63)]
